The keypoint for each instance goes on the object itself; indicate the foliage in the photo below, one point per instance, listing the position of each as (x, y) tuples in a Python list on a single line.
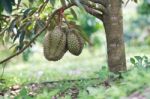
[(7, 81), (103, 73), (26, 54), (23, 94), (88, 23), (140, 62), (143, 7), (144, 13), (27, 18), (137, 33), (7, 5)]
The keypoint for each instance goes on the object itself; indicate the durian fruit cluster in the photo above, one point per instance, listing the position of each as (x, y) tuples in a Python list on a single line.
[(60, 40)]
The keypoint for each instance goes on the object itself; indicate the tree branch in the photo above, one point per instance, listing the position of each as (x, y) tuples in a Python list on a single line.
[(95, 6), (93, 12), (92, 9), (39, 33)]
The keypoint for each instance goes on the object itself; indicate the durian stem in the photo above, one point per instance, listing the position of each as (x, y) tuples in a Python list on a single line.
[(66, 21)]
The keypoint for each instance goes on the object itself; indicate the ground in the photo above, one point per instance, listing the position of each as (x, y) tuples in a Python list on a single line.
[(54, 77)]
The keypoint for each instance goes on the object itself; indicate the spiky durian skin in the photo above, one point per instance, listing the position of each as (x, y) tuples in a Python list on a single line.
[(75, 42), (54, 44)]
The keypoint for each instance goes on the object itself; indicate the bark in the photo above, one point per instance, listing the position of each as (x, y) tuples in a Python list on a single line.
[(113, 24)]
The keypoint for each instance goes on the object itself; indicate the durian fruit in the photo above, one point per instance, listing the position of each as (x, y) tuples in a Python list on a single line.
[(75, 42), (54, 44)]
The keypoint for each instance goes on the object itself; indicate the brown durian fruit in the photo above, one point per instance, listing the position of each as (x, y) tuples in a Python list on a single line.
[(54, 44), (75, 42)]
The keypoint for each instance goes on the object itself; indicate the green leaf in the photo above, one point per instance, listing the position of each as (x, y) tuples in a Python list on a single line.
[(103, 73), (27, 97), (54, 92), (22, 37), (7, 5), (23, 92), (84, 35), (132, 60), (40, 24), (52, 2), (12, 2), (1, 8), (16, 36), (17, 97), (145, 57), (26, 12), (31, 1), (63, 2), (74, 13), (138, 58), (136, 1)]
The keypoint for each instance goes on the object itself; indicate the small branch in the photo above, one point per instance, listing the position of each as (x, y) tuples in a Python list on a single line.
[(95, 6), (88, 7), (42, 6), (39, 33), (5, 16), (94, 12), (10, 57), (126, 3)]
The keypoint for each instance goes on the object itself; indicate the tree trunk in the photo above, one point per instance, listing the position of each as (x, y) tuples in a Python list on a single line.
[(113, 23)]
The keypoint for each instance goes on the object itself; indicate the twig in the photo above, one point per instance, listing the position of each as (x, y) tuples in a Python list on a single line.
[(126, 3), (100, 7), (5, 16), (39, 33), (94, 12), (42, 6), (3, 68)]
